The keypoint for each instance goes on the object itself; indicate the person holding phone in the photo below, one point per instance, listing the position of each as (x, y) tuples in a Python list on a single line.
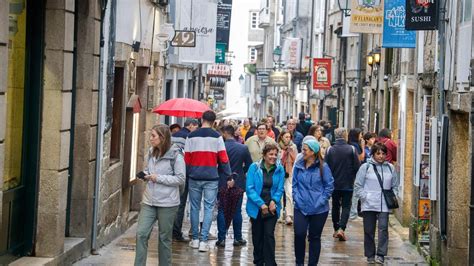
[(165, 171), (264, 187)]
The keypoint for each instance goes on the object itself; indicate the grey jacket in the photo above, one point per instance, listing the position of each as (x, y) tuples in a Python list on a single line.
[(367, 186), (165, 192)]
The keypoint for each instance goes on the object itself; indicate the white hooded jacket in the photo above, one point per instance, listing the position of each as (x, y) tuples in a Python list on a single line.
[(367, 186)]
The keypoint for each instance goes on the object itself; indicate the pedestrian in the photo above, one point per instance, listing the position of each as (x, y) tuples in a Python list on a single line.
[(175, 128), (287, 158), (205, 156), (356, 139), (302, 126), (297, 136), (371, 177), (270, 132), (256, 143), (240, 161), (385, 137), (244, 128), (164, 173), (238, 135), (317, 132), (251, 132), (370, 139), (179, 138), (343, 161), (265, 180), (271, 125), (312, 187)]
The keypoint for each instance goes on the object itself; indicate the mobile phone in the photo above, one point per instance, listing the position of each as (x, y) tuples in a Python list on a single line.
[(141, 175)]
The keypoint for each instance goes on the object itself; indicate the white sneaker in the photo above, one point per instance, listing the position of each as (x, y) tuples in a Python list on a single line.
[(194, 243), (203, 247), (211, 236)]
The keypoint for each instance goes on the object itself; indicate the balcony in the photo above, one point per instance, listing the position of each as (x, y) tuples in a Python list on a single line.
[(264, 18)]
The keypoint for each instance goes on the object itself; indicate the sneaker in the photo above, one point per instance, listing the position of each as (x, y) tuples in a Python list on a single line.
[(340, 234), (371, 260), (203, 247), (288, 220), (194, 243), (379, 260), (220, 243), (180, 238), (241, 242), (211, 236)]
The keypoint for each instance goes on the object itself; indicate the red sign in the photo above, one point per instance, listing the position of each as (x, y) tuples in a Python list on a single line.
[(321, 73)]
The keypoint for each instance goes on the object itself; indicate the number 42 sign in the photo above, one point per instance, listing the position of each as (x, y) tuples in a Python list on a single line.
[(183, 38)]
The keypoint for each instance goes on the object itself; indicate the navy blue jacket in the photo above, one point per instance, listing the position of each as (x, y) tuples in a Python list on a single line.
[(182, 133), (343, 161), (240, 161)]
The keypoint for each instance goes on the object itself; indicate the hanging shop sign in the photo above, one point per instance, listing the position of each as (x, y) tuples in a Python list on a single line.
[(183, 38), (198, 16), (321, 73), (220, 53), (219, 70), (219, 95), (422, 14), (279, 79), (291, 53), (366, 16), (224, 12), (262, 74), (394, 33)]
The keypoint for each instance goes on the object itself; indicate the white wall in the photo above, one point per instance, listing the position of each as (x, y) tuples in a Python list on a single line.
[(128, 23)]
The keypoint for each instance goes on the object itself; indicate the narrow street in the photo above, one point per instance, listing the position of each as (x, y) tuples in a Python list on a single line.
[(401, 252)]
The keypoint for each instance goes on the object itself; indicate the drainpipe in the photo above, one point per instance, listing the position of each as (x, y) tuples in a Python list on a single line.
[(100, 130)]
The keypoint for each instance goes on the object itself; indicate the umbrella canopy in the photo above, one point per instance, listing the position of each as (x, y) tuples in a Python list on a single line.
[(182, 107)]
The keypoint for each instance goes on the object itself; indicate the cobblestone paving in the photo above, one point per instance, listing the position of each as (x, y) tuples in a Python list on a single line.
[(401, 252)]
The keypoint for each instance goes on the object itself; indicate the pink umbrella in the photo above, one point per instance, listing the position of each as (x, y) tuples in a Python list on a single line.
[(182, 107)]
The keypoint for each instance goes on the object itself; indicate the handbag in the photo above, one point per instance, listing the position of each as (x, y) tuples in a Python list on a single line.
[(388, 194)]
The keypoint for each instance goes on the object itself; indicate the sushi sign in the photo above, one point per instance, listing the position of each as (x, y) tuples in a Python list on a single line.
[(422, 14)]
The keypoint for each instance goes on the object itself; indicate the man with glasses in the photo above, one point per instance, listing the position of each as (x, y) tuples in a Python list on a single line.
[(297, 136), (257, 142)]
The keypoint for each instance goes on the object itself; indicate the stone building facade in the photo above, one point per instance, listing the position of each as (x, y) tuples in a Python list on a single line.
[(50, 96)]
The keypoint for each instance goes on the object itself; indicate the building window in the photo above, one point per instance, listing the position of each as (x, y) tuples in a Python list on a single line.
[(466, 10), (254, 20), (116, 140), (252, 54)]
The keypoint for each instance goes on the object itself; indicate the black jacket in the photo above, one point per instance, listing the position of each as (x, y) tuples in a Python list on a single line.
[(343, 161)]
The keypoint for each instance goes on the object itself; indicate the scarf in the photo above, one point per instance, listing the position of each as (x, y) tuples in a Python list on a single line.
[(288, 156)]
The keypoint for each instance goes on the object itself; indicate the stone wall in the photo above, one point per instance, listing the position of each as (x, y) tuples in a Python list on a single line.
[(56, 126)]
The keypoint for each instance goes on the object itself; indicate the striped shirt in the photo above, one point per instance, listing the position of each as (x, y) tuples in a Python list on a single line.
[(205, 155)]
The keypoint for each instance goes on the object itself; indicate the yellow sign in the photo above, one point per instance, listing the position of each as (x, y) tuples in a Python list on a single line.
[(366, 16)]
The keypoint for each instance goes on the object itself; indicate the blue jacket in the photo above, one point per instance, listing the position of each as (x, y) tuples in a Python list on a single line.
[(311, 192), (240, 161), (255, 185), (298, 139)]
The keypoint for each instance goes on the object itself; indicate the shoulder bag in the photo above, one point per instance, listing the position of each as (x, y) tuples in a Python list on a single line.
[(388, 194)]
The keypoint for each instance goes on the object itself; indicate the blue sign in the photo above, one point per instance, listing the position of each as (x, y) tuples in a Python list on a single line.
[(394, 33)]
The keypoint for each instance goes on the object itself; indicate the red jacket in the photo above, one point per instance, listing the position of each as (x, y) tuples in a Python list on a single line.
[(391, 149)]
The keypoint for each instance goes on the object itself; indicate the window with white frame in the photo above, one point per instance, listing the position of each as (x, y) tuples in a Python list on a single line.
[(466, 10), (254, 20), (252, 54)]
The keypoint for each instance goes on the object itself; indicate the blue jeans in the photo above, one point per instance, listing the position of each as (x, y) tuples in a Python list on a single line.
[(236, 223), (198, 189)]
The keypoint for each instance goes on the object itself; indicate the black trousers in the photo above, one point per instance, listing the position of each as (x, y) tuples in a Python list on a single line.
[(341, 198), (263, 238), (311, 226), (178, 222)]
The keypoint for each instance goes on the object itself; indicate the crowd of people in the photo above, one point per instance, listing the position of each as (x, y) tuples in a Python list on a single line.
[(289, 174)]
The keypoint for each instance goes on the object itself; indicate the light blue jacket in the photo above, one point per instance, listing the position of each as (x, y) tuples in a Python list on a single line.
[(311, 192), (254, 187)]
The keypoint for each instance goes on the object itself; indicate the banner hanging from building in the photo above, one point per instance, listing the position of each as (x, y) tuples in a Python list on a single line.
[(291, 54), (367, 16), (422, 14), (321, 73), (394, 33), (220, 53), (224, 13), (279, 79), (199, 16)]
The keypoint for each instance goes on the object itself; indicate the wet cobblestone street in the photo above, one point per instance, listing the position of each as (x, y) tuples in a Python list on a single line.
[(333, 252)]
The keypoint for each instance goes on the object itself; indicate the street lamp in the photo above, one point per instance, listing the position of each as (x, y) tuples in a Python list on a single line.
[(370, 59), (373, 60), (344, 6)]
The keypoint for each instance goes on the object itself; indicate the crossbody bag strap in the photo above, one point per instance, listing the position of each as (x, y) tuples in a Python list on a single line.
[(378, 176)]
